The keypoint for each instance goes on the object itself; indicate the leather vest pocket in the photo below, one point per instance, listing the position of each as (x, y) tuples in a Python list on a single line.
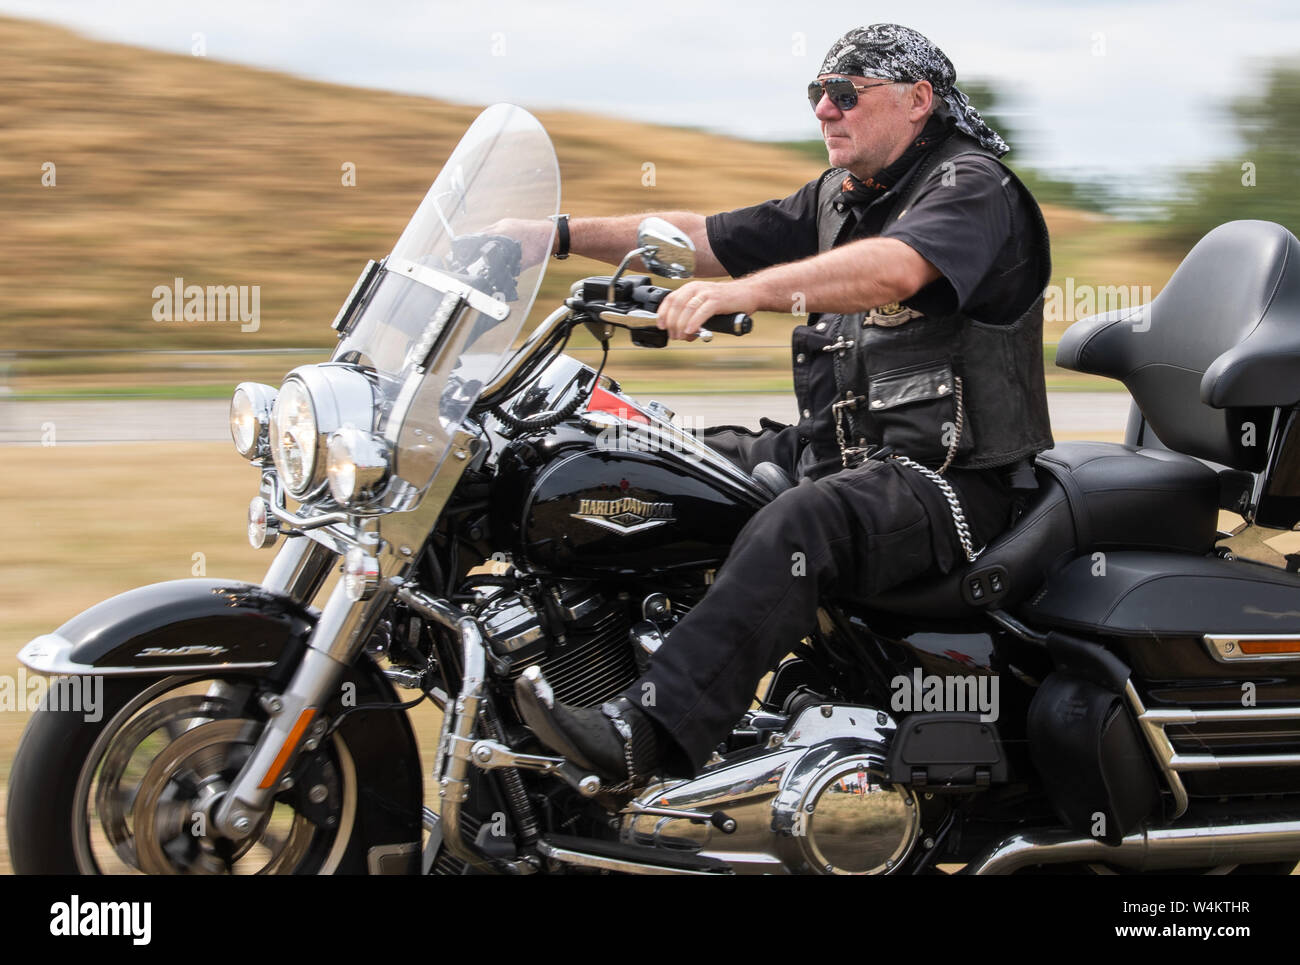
[(913, 409)]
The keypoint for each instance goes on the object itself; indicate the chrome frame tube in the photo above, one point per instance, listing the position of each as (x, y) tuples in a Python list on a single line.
[(456, 742)]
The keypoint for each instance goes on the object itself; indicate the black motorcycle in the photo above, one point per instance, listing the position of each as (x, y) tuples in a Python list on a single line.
[(1104, 689)]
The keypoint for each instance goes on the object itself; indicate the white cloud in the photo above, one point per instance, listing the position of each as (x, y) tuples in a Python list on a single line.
[(1146, 104)]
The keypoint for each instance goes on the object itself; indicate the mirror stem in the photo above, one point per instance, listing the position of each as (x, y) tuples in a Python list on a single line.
[(622, 267)]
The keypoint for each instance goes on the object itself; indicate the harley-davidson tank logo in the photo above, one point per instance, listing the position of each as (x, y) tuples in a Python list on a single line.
[(626, 515)]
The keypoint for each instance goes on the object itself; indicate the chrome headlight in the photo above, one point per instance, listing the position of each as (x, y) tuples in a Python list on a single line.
[(293, 436), (314, 402), (356, 466), (250, 418)]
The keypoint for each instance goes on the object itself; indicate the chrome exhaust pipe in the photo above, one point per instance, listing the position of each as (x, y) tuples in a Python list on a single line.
[(1244, 841)]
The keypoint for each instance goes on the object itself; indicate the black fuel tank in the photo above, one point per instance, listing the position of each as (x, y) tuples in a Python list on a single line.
[(589, 510)]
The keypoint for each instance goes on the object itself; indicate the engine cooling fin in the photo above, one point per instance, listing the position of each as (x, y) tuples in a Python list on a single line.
[(594, 665)]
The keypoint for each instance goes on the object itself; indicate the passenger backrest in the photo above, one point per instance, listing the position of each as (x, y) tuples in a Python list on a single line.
[(1213, 354)]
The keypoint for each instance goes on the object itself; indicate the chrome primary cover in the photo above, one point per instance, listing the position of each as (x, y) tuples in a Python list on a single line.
[(815, 803)]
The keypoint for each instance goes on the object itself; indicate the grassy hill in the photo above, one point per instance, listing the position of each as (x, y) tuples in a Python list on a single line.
[(173, 166)]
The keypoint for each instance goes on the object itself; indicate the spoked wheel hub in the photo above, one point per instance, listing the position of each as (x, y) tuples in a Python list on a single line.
[(162, 776)]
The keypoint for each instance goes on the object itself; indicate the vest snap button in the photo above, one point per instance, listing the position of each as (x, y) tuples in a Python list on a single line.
[(800, 358), (821, 326), (807, 413), (942, 389), (877, 404)]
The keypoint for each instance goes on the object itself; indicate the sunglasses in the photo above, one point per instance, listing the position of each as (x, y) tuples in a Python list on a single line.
[(842, 92)]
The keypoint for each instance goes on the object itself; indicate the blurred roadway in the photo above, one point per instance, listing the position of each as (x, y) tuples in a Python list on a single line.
[(205, 420)]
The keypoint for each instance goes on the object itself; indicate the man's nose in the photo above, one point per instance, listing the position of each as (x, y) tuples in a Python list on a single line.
[(826, 109)]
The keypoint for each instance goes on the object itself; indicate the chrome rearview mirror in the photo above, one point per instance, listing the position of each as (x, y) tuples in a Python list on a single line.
[(666, 249)]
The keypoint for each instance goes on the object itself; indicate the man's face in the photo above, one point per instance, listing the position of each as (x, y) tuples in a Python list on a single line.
[(876, 130)]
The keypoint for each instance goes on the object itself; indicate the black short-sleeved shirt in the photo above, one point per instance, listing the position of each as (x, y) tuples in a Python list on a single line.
[(969, 220)]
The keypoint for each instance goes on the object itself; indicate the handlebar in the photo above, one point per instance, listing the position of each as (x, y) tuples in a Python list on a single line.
[(638, 301), (737, 323)]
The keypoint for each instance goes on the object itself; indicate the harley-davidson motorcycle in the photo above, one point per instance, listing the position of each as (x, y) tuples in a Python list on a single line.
[(503, 512)]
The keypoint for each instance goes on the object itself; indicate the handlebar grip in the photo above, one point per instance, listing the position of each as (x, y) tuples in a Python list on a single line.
[(736, 323)]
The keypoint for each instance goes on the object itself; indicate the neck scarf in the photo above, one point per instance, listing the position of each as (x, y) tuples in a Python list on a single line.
[(855, 191)]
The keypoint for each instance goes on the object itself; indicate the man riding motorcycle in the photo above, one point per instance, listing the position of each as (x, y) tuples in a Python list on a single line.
[(919, 381)]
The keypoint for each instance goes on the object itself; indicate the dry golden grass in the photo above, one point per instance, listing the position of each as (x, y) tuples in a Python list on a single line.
[(171, 166), (174, 166)]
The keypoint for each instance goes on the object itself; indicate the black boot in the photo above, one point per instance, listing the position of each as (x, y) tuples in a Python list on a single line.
[(615, 741)]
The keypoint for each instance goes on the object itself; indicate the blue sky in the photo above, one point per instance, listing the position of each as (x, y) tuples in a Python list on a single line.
[(1123, 90)]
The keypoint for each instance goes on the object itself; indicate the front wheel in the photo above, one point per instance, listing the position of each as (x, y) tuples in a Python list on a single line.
[(133, 792)]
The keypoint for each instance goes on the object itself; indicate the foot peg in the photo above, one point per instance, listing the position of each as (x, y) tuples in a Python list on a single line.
[(491, 755)]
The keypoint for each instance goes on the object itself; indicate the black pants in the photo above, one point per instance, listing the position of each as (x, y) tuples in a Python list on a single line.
[(854, 532)]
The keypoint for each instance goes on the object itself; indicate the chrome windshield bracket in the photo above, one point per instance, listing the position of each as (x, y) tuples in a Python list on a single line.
[(360, 291), (441, 281)]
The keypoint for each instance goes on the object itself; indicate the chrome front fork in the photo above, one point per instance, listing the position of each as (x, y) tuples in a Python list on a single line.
[(295, 720), (299, 569)]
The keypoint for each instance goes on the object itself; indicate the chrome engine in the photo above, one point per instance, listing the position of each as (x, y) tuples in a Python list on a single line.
[(579, 638), (811, 797), (812, 801)]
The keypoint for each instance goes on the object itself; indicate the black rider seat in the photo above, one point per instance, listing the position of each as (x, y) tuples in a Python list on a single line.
[(1092, 496)]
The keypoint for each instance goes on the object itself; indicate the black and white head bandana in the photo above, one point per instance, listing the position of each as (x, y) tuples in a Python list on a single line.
[(893, 52)]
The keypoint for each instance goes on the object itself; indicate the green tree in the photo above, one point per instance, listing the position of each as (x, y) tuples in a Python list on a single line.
[(987, 98), (1262, 180)]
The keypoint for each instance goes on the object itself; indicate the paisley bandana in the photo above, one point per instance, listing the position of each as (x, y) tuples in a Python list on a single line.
[(893, 52)]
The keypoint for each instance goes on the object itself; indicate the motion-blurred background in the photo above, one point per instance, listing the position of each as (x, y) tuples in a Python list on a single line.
[(280, 146)]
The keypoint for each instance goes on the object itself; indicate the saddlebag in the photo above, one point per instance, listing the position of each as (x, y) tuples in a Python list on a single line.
[(1090, 756)]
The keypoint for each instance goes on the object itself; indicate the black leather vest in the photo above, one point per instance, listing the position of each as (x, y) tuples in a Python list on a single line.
[(938, 389)]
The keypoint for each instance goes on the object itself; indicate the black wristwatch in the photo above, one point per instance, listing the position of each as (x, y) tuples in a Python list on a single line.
[(562, 227)]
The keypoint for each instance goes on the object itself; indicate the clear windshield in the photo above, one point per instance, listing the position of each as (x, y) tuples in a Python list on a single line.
[(503, 168)]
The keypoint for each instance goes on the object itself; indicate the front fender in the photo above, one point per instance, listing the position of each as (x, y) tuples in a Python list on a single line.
[(225, 626), (178, 627)]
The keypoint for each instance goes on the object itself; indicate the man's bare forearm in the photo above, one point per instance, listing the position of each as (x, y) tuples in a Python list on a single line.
[(609, 239), (852, 278)]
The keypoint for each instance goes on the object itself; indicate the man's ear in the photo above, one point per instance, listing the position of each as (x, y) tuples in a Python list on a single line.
[(922, 101)]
